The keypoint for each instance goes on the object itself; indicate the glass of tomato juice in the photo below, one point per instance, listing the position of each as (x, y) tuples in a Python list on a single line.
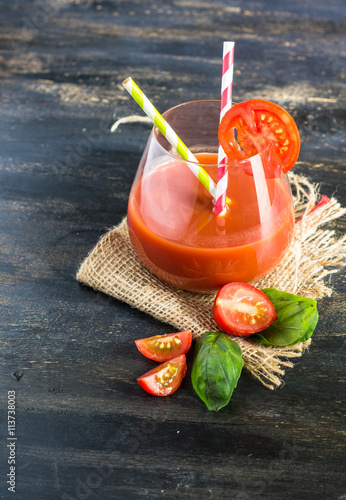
[(171, 219)]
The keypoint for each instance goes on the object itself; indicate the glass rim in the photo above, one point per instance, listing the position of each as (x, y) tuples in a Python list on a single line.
[(176, 156)]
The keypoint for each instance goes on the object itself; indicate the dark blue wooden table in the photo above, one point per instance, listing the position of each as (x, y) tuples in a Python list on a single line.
[(84, 427)]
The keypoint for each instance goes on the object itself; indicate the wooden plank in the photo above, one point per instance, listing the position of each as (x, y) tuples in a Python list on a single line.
[(85, 428)]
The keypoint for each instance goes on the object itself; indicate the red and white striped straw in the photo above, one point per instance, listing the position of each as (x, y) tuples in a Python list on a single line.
[(226, 104)]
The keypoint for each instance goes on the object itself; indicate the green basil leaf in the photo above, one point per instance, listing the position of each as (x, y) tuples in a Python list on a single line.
[(296, 321), (216, 369)]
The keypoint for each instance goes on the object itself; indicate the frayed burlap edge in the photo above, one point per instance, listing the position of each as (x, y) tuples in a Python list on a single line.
[(112, 267)]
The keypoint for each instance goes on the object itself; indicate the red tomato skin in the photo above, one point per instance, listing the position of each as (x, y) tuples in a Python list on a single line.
[(253, 128), (149, 383), (225, 322), (185, 339)]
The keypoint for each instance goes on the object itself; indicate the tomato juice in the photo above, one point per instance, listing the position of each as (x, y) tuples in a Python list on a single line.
[(177, 236)]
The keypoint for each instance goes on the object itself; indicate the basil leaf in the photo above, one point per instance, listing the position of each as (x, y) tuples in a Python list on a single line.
[(216, 369), (296, 321)]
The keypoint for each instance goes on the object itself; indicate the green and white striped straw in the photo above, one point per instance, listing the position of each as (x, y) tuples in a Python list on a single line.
[(167, 131)]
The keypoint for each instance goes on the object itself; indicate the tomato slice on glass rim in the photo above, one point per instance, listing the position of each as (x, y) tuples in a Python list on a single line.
[(242, 309), (165, 378), (249, 126), (164, 347)]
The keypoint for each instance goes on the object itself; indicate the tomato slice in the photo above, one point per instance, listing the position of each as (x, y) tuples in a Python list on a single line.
[(249, 126), (165, 378), (242, 309), (164, 347)]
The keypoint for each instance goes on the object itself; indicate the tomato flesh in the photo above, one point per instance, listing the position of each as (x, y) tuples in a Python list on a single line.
[(164, 347), (165, 378), (242, 309), (248, 127)]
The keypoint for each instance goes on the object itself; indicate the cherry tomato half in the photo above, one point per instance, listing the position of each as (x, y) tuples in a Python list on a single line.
[(242, 309), (249, 126), (165, 378), (164, 347)]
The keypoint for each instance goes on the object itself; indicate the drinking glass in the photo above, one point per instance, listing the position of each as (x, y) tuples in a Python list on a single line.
[(171, 219)]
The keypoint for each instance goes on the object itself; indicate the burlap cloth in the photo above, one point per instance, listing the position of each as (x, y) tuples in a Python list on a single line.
[(113, 268)]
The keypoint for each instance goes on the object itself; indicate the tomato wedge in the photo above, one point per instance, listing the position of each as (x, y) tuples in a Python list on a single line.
[(165, 378), (164, 347), (248, 127), (242, 309)]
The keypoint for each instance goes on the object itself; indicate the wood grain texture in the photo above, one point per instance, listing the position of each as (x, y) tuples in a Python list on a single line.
[(85, 428)]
